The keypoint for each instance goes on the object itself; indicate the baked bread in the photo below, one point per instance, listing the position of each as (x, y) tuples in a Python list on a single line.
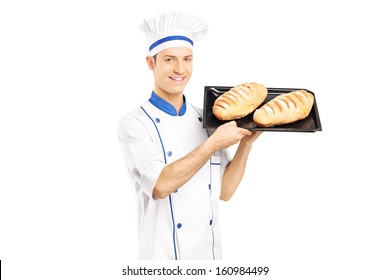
[(239, 101), (284, 108)]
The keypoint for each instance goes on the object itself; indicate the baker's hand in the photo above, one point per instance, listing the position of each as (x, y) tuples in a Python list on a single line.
[(228, 134), (251, 138)]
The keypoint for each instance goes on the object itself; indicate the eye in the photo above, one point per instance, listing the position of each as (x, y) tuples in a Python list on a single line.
[(188, 59)]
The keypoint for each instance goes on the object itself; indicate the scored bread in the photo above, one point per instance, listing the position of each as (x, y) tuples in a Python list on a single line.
[(239, 101), (284, 108)]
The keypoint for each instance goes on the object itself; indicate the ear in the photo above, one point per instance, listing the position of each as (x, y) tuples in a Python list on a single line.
[(150, 62)]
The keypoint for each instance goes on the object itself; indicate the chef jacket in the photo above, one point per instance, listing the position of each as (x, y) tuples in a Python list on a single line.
[(183, 225)]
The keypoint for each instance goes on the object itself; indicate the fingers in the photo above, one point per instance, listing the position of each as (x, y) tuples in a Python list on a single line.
[(242, 131), (252, 138), (246, 132)]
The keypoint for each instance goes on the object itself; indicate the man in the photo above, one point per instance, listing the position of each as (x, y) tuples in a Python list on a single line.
[(175, 165)]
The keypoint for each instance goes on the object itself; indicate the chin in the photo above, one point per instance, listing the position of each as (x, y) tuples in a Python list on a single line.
[(177, 89)]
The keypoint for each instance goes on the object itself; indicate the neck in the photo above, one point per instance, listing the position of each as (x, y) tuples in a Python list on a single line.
[(176, 100)]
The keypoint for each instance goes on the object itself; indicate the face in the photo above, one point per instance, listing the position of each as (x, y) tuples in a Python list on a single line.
[(172, 70)]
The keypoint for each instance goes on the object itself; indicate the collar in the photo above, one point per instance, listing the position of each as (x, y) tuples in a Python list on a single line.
[(166, 106)]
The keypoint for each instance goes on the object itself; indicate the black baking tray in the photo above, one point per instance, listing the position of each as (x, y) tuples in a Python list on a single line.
[(311, 123)]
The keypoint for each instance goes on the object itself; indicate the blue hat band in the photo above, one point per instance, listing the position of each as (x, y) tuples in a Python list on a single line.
[(170, 38)]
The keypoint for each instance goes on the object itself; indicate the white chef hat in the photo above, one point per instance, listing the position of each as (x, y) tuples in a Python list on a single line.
[(173, 30)]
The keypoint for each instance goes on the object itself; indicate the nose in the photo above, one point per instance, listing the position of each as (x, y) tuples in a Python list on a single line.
[(179, 67)]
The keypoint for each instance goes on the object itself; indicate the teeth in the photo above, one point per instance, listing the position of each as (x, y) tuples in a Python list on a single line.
[(177, 79)]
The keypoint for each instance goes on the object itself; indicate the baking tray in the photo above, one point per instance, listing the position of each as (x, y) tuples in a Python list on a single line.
[(311, 123)]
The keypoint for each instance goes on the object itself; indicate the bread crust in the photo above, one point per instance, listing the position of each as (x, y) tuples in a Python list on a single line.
[(239, 101), (285, 108)]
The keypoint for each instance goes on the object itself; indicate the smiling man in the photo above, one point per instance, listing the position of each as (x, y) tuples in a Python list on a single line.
[(179, 170)]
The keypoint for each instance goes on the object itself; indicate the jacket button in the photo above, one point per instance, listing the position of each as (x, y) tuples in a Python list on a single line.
[(200, 119), (157, 120), (169, 153), (179, 225), (211, 222)]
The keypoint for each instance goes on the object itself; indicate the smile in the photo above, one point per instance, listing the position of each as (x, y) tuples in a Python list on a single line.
[(177, 78)]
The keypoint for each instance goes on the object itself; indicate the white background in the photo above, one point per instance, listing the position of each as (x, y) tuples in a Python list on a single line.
[(311, 205)]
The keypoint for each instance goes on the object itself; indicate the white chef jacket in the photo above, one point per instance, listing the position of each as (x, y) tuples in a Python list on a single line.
[(184, 225)]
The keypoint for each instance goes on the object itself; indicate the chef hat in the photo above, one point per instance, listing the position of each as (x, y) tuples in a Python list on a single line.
[(173, 30)]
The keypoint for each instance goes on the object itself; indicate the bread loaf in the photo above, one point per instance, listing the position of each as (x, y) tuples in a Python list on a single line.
[(285, 108), (239, 101)]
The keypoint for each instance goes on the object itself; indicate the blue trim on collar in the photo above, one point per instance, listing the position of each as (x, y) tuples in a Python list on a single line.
[(166, 106)]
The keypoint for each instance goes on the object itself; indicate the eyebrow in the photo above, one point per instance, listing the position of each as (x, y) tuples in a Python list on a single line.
[(172, 56)]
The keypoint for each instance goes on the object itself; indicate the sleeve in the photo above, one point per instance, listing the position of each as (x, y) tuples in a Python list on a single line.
[(142, 155)]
